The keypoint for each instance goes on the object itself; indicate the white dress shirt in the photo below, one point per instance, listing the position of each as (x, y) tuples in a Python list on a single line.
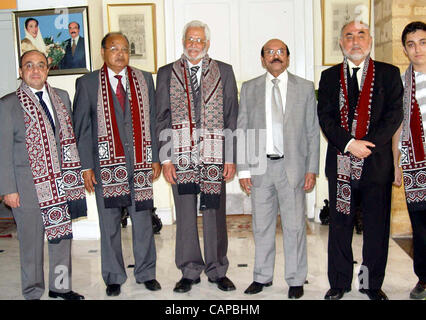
[(282, 84), (200, 64), (75, 39), (46, 99)]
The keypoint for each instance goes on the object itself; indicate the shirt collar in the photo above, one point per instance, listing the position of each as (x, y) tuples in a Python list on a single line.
[(111, 73), (76, 39), (353, 65), (43, 89), (282, 77), (200, 64)]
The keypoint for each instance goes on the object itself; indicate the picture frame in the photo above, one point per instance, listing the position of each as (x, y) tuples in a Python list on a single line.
[(48, 31), (137, 21), (335, 13)]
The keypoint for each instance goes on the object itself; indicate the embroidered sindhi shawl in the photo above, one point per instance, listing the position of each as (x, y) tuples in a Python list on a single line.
[(57, 177), (114, 175), (198, 154), (349, 167), (413, 146)]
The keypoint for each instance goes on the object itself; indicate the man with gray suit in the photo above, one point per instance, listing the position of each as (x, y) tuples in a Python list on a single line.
[(279, 149), (113, 121), (197, 106), (40, 177)]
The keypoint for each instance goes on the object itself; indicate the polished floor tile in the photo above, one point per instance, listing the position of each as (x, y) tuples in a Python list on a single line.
[(87, 279)]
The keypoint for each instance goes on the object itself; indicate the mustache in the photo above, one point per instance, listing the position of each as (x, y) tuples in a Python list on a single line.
[(276, 60)]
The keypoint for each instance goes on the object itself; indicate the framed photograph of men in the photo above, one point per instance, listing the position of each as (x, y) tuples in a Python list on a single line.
[(137, 22), (61, 34), (335, 14)]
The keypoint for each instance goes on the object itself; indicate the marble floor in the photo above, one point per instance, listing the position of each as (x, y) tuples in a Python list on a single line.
[(87, 279)]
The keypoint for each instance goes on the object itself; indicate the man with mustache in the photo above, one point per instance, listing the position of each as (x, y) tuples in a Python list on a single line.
[(114, 125), (359, 110), (197, 105), (40, 176), (75, 53), (284, 106)]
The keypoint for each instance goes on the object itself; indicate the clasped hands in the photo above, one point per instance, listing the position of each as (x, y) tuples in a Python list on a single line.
[(90, 180), (169, 172)]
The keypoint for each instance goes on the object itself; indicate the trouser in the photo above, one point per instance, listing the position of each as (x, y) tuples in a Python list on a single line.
[(418, 224), (276, 195), (375, 202), (144, 252), (30, 230), (188, 255)]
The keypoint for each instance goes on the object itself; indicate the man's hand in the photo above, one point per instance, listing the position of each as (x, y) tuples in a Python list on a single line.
[(310, 179), (229, 171), (156, 170), (246, 185), (89, 180), (360, 148), (169, 172), (398, 176), (12, 200)]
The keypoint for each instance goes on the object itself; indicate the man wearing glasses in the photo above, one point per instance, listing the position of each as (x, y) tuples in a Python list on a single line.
[(196, 102), (113, 117), (278, 108), (40, 177)]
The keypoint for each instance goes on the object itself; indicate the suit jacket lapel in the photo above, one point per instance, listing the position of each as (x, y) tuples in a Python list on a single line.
[(260, 96), (291, 97)]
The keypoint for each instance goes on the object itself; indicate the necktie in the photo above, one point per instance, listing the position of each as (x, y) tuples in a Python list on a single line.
[(46, 109), (355, 83), (120, 93), (277, 118), (194, 79), (73, 47)]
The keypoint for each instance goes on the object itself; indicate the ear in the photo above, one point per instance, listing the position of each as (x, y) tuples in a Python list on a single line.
[(262, 61), (20, 73), (405, 51), (102, 52), (207, 45)]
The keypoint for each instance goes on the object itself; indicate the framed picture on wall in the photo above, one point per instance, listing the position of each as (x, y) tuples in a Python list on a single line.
[(137, 22), (61, 34), (335, 14)]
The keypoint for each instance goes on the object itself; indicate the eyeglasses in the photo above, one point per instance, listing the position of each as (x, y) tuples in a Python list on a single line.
[(195, 40), (32, 66), (116, 50), (271, 52)]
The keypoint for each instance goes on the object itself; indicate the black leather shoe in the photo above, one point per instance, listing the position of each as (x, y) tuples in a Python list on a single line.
[(71, 295), (223, 284), (257, 287), (295, 292), (151, 285), (185, 285), (335, 294), (113, 290), (374, 294)]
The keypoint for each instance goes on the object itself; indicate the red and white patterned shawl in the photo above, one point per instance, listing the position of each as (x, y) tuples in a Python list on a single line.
[(198, 154), (114, 175), (57, 177), (350, 167), (413, 158)]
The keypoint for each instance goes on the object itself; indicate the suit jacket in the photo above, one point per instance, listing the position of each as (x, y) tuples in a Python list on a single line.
[(386, 116), (86, 123), (301, 130), (78, 60), (230, 108), (15, 170)]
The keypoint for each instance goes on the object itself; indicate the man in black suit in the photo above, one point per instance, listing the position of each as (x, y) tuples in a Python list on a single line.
[(358, 113), (75, 55)]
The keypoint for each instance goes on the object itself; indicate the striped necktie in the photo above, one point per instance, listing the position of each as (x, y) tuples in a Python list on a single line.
[(46, 109), (194, 79)]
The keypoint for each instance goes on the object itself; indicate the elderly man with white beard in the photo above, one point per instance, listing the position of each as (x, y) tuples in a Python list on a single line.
[(359, 110), (197, 94)]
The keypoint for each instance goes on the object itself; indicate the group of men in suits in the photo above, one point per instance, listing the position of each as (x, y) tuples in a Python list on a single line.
[(122, 133)]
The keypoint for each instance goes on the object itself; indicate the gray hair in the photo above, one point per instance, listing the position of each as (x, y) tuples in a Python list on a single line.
[(196, 24), (365, 25)]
